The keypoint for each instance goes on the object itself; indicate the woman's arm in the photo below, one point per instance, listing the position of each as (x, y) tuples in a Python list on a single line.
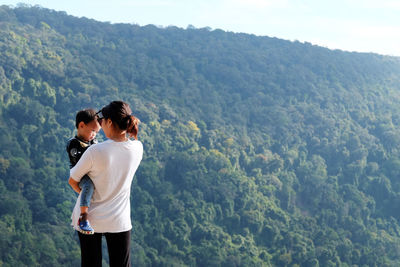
[(74, 184), (80, 169)]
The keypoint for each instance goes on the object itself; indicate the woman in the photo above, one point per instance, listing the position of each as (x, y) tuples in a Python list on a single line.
[(111, 165)]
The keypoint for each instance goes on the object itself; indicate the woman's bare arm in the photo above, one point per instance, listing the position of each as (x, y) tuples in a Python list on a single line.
[(74, 184)]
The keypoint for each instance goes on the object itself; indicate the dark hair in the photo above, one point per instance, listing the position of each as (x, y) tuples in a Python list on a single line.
[(121, 114), (85, 115)]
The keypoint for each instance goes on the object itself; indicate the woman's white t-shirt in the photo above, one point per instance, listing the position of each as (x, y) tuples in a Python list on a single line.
[(111, 166)]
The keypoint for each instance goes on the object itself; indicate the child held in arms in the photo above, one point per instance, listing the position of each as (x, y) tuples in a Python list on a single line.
[(88, 127)]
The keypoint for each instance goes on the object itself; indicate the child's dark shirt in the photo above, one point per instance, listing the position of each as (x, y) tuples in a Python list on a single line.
[(75, 148)]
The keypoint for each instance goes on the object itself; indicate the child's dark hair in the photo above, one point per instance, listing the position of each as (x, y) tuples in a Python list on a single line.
[(121, 114), (85, 115)]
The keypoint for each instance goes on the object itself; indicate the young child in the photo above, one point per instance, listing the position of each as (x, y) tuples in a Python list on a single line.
[(87, 125)]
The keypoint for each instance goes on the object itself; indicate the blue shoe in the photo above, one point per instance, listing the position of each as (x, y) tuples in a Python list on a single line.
[(85, 228)]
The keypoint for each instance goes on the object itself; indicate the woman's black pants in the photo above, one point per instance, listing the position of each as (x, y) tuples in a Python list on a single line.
[(118, 245)]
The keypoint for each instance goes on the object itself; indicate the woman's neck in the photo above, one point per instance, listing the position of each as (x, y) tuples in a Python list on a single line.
[(115, 133), (119, 138)]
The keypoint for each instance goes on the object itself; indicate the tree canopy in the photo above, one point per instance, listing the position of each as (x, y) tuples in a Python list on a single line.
[(258, 151)]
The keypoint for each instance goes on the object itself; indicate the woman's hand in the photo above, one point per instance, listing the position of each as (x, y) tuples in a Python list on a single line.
[(74, 184)]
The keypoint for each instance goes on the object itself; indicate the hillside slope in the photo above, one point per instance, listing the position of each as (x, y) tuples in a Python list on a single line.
[(258, 151)]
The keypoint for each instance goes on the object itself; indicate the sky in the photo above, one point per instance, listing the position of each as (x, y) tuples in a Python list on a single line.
[(351, 25)]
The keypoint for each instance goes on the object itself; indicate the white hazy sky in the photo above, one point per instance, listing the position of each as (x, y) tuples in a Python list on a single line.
[(352, 25)]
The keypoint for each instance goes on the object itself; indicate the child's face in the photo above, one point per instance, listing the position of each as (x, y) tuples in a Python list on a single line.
[(88, 131)]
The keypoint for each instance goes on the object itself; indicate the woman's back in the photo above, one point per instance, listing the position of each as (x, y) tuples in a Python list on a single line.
[(111, 166)]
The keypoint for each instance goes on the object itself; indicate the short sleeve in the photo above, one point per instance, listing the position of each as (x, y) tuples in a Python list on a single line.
[(83, 166)]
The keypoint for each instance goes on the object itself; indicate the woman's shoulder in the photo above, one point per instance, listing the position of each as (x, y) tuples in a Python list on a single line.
[(109, 144), (99, 146), (136, 144)]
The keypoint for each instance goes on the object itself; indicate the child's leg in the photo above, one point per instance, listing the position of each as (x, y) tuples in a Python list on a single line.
[(87, 188)]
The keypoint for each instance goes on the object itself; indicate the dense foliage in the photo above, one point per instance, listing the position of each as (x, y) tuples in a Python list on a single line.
[(258, 151)]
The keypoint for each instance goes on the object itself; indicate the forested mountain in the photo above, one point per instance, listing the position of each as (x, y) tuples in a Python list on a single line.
[(258, 151)]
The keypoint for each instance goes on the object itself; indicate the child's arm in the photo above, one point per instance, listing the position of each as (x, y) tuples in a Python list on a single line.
[(74, 184)]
